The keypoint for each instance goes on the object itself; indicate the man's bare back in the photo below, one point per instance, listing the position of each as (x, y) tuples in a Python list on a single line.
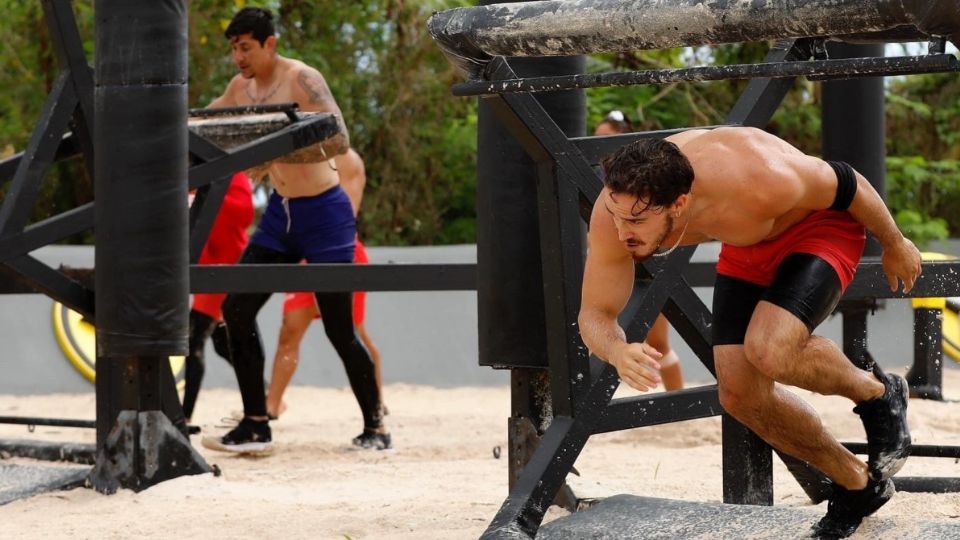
[(742, 192)]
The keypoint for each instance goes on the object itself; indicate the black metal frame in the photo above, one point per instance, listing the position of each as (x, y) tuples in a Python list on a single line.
[(70, 106), (581, 387)]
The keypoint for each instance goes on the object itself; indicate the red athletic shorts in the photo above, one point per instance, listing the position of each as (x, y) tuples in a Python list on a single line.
[(832, 235), (298, 300), (227, 239)]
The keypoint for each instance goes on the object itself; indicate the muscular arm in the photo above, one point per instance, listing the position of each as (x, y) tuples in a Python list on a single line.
[(313, 95), (816, 188), (607, 285)]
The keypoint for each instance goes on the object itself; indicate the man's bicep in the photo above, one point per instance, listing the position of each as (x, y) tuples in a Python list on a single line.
[(314, 93)]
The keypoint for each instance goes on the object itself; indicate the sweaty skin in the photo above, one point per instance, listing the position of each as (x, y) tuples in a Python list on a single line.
[(748, 186), (266, 77)]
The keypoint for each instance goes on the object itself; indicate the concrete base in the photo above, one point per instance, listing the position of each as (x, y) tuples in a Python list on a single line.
[(628, 517), (21, 481)]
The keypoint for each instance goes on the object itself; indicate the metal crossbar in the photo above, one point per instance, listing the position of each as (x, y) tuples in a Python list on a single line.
[(846, 68)]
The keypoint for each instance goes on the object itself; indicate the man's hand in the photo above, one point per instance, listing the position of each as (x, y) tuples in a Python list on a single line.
[(901, 263), (638, 365)]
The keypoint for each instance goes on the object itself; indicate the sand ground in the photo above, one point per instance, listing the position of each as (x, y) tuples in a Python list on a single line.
[(441, 481)]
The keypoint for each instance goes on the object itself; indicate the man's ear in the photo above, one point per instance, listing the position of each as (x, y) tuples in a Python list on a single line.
[(270, 43), (680, 205)]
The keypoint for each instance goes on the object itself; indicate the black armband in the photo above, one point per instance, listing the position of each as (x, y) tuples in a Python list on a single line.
[(846, 185)]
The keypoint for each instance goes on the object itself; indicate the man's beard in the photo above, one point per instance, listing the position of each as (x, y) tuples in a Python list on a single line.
[(656, 245)]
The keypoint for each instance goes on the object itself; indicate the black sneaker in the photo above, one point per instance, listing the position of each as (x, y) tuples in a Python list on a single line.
[(885, 420), (371, 439), (249, 437), (847, 509)]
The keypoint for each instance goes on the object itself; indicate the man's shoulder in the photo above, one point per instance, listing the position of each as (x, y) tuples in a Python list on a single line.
[(298, 68)]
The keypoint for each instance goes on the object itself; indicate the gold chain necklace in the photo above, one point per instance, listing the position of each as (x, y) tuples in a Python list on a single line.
[(264, 98), (675, 246)]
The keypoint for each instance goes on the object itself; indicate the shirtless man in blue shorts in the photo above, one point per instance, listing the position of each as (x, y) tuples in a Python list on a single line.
[(309, 216)]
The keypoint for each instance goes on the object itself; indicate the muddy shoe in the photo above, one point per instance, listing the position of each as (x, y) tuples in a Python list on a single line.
[(249, 437), (885, 421), (371, 439), (846, 508)]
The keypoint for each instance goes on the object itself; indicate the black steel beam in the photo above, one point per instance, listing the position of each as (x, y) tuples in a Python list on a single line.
[(692, 319), (41, 421), (761, 98), (938, 280), (203, 213), (923, 484), (540, 480), (46, 232), (917, 450), (34, 274), (846, 68), (248, 278), (654, 409), (39, 154), (68, 148), (65, 36)]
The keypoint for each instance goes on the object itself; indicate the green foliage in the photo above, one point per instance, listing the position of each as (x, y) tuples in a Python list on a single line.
[(419, 142), (924, 197), (390, 80), (393, 86)]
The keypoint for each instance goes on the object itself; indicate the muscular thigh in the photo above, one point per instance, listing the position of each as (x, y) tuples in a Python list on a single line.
[(804, 292)]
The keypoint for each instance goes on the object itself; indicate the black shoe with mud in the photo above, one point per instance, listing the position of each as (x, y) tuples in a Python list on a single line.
[(885, 421), (847, 508), (249, 437), (373, 440)]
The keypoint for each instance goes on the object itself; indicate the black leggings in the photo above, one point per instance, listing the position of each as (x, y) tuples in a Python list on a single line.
[(201, 327), (246, 349)]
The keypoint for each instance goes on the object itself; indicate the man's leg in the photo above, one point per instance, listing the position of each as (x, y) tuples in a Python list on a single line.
[(804, 292), (781, 418), (201, 326), (375, 355), (659, 338), (246, 354), (337, 313), (295, 324)]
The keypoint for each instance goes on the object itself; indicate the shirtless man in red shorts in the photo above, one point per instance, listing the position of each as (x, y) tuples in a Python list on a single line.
[(300, 308), (792, 228), (658, 337)]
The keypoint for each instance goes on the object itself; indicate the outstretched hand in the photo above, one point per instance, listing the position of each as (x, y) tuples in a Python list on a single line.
[(901, 263), (638, 365)]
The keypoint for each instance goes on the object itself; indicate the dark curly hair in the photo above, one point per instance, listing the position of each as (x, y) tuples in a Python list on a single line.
[(653, 170), (250, 20)]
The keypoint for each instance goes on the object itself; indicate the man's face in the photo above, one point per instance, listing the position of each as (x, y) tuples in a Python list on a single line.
[(641, 231), (249, 55)]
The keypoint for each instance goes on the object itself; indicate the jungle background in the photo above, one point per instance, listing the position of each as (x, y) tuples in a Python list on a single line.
[(419, 142)]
